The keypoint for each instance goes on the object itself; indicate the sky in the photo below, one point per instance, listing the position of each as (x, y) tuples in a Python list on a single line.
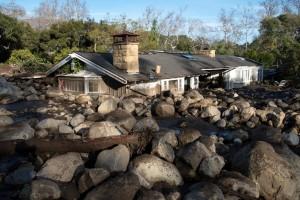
[(206, 10)]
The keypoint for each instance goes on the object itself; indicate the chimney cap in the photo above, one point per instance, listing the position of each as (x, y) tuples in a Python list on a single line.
[(124, 33)]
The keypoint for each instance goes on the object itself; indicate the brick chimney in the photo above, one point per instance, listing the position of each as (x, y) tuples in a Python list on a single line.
[(208, 53), (126, 52)]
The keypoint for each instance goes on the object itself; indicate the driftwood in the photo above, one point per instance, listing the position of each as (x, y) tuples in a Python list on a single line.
[(63, 145)]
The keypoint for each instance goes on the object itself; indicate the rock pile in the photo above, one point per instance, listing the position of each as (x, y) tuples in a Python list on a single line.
[(252, 155)]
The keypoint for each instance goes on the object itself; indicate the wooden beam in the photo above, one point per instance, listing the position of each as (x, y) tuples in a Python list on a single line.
[(64, 145)]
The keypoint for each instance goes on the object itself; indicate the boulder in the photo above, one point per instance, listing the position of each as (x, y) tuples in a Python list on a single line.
[(108, 105), (77, 119), (128, 105), (193, 154), (211, 112), (193, 96), (41, 133), (188, 135), (150, 195), (146, 124), (115, 159), (264, 166), (65, 129), (222, 123), (204, 191), (5, 120), (122, 118), (103, 129), (163, 109), (32, 97), (4, 111), (212, 166), (291, 138), (168, 136), (50, 123), (83, 127), (162, 150), (20, 131), (247, 113), (151, 169), (61, 167), (44, 189), (83, 99), (9, 93), (54, 93), (235, 182), (241, 104), (91, 178), (22, 175), (121, 187), (184, 105), (267, 134)]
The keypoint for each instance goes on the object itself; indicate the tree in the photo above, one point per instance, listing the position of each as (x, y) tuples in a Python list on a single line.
[(228, 26), (12, 9), (247, 23), (47, 13), (74, 9), (270, 7)]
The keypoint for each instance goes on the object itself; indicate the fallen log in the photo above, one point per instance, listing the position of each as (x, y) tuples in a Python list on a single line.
[(64, 145)]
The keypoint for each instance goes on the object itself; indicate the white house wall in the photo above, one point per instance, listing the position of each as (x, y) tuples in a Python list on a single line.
[(242, 76)]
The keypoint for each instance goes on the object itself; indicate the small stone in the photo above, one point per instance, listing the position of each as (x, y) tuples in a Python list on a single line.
[(146, 124), (42, 133), (212, 166), (103, 129), (222, 123), (188, 135), (122, 118), (65, 129), (50, 123), (164, 109), (5, 120), (212, 113), (44, 189), (114, 160), (205, 191), (77, 119), (91, 178), (193, 154), (291, 138)]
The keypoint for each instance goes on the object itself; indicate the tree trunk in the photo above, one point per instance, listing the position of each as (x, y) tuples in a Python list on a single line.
[(63, 146)]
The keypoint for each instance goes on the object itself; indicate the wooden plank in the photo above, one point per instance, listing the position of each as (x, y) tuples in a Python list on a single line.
[(64, 145)]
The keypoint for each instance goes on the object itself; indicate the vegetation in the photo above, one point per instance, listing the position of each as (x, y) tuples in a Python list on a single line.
[(34, 46)]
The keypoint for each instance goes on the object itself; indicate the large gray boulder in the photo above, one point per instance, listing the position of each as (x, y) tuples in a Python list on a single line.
[(235, 182), (50, 123), (20, 131), (188, 135), (193, 154), (212, 166), (151, 169), (275, 176), (114, 160), (121, 187), (103, 129), (108, 105), (5, 120), (204, 191), (61, 168), (44, 189), (83, 99), (91, 178), (146, 124), (122, 118), (128, 105), (211, 112), (163, 109), (9, 93)]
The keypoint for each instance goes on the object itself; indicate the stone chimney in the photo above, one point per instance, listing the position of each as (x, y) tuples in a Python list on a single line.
[(208, 53), (126, 52)]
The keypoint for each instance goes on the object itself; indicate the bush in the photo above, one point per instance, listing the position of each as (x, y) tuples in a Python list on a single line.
[(63, 53), (27, 61)]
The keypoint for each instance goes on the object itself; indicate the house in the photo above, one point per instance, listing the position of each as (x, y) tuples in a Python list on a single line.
[(126, 71)]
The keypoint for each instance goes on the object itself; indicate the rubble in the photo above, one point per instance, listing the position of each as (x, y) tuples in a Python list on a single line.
[(204, 144)]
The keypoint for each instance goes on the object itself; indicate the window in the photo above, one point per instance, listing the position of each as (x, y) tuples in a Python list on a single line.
[(180, 85), (72, 85), (165, 85), (93, 86), (196, 82)]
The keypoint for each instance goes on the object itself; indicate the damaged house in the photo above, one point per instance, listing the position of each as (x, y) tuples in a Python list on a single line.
[(125, 71)]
